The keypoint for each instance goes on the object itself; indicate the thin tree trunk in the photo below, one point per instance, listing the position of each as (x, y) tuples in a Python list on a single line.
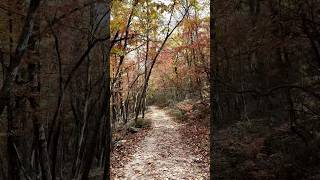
[(102, 15), (145, 86), (13, 102)]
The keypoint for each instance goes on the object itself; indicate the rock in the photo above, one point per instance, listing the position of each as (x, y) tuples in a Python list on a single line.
[(133, 129), (119, 143), (197, 160)]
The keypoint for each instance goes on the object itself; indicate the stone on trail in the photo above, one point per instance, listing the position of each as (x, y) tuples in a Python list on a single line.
[(133, 129)]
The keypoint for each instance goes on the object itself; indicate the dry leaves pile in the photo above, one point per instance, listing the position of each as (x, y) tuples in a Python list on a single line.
[(122, 154), (195, 133), (196, 136)]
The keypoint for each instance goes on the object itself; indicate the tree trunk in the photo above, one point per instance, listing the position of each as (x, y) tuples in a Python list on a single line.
[(214, 113)]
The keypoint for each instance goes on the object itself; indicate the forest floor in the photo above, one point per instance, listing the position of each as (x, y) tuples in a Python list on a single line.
[(160, 152)]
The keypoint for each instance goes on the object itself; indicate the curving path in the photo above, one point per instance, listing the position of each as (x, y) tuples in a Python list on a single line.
[(161, 155)]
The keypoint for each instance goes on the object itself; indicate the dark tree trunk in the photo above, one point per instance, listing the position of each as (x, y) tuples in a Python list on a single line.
[(214, 93)]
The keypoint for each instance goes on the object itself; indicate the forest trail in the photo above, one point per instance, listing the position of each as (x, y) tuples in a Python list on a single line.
[(162, 155)]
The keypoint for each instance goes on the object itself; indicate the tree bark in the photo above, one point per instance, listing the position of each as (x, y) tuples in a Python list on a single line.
[(214, 93)]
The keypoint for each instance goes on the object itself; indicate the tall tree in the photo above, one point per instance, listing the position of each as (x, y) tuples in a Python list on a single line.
[(214, 93)]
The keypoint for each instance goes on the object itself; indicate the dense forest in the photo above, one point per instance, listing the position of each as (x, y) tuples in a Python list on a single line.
[(54, 89), (266, 89), (159, 89)]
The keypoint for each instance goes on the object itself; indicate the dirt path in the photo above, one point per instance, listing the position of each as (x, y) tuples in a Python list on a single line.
[(161, 155)]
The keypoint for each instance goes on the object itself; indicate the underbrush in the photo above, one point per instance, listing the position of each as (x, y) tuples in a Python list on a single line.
[(193, 115), (254, 150), (191, 110)]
